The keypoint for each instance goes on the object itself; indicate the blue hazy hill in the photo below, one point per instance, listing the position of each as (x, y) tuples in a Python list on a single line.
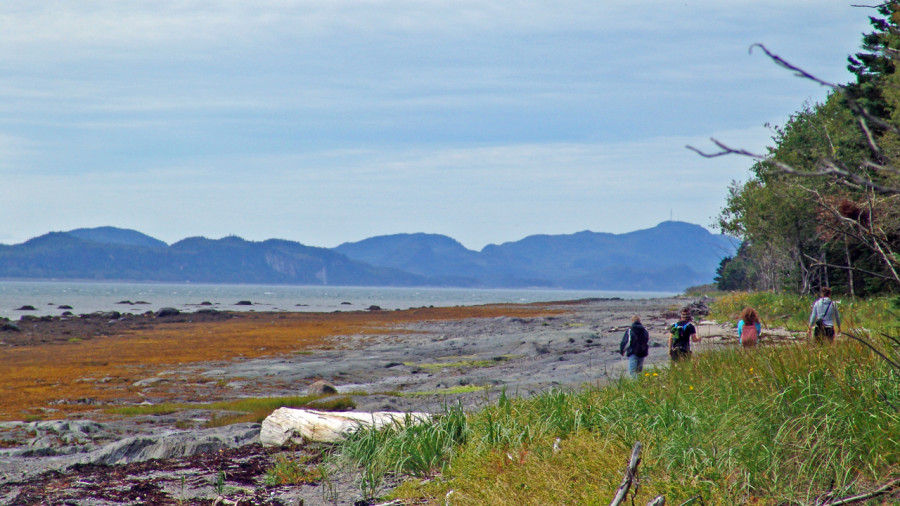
[(62, 255), (113, 235), (668, 257)]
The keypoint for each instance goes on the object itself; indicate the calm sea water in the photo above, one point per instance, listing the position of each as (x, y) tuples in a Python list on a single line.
[(87, 297)]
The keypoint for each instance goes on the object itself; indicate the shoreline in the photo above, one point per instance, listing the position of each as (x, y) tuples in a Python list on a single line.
[(87, 298), (412, 360)]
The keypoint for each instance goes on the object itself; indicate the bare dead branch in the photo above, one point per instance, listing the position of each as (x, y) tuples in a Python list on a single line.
[(659, 501), (814, 262), (854, 105), (877, 167), (796, 70), (869, 137), (692, 499), (630, 476), (828, 168), (887, 487), (892, 338), (872, 347)]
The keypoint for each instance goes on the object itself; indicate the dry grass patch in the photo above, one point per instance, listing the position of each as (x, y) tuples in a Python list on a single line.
[(75, 376)]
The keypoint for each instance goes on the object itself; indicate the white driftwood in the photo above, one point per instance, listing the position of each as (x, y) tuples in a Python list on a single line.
[(298, 425), (630, 476)]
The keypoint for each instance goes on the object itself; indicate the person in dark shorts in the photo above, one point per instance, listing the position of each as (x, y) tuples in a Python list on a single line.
[(824, 319), (681, 335)]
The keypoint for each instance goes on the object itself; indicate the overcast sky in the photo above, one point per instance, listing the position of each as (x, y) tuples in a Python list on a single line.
[(328, 121)]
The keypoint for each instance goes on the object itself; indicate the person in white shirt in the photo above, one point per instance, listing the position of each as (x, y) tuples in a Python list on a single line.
[(824, 320)]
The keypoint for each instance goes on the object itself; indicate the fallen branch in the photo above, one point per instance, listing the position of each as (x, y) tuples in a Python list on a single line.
[(878, 352), (887, 487), (692, 499), (630, 476)]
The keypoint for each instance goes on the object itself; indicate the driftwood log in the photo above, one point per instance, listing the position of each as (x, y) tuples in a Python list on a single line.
[(631, 478), (286, 425)]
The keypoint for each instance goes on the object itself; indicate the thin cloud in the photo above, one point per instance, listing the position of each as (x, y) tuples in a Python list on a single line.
[(333, 120)]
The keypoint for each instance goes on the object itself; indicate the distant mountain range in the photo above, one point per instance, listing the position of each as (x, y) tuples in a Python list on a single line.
[(668, 257)]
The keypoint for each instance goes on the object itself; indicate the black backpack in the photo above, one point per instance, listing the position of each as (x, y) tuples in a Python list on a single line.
[(640, 341)]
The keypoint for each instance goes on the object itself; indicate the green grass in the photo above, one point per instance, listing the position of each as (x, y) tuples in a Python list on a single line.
[(775, 425), (286, 471), (248, 409), (460, 389), (792, 312), (435, 367)]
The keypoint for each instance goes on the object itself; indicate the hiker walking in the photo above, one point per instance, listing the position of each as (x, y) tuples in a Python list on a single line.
[(749, 328), (635, 345), (824, 318), (681, 335)]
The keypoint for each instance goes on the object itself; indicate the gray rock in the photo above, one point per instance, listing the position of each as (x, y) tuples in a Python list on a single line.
[(175, 444), (167, 311), (148, 382), (321, 387)]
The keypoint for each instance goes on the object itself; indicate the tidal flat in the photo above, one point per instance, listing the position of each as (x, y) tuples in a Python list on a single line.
[(85, 399)]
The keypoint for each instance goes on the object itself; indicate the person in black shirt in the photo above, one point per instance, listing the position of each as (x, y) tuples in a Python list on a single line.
[(682, 333)]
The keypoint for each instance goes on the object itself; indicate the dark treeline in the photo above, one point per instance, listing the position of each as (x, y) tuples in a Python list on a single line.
[(822, 207)]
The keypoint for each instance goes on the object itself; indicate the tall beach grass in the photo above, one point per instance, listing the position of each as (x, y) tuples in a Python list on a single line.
[(773, 425)]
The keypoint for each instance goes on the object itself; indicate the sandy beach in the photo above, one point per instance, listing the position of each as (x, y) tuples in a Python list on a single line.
[(412, 360)]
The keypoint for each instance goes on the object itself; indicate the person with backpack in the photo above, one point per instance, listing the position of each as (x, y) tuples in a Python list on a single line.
[(749, 327), (635, 345), (824, 318), (682, 333)]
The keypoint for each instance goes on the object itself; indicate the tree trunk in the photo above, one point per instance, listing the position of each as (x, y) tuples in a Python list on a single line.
[(849, 270)]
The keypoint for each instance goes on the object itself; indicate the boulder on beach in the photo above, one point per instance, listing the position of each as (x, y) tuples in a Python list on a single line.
[(167, 311), (173, 445), (26, 308), (244, 303), (321, 387)]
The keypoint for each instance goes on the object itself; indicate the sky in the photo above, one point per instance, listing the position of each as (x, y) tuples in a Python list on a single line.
[(331, 121)]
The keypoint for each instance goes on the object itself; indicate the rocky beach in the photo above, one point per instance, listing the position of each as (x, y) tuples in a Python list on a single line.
[(63, 445)]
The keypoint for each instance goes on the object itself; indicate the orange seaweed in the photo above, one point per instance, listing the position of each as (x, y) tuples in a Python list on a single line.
[(54, 381)]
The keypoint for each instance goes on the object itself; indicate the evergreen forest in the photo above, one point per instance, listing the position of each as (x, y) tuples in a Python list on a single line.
[(822, 206)]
